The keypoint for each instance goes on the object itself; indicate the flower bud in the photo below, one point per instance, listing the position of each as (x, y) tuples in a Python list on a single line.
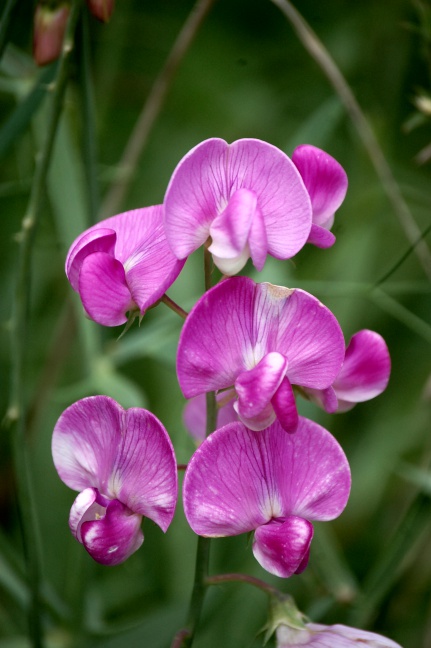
[(49, 28), (101, 9)]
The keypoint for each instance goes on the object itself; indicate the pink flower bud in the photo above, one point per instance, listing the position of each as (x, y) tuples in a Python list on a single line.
[(49, 28), (101, 9)]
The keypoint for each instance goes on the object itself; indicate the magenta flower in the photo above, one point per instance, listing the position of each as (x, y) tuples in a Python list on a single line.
[(363, 376), (268, 482), (259, 339), (247, 198), (315, 635), (326, 182), (123, 464), (122, 264)]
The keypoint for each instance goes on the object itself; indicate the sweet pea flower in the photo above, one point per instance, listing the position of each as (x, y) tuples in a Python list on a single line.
[(49, 28), (247, 198), (259, 339), (269, 482), (101, 9), (123, 464), (315, 635), (363, 376), (326, 182), (122, 264)]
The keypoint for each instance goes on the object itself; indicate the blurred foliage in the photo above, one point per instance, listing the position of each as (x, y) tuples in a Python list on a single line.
[(245, 75)]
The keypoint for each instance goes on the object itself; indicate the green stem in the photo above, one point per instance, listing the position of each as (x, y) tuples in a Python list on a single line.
[(244, 578), (199, 588), (403, 258), (16, 415), (320, 54), (4, 24), (173, 306), (208, 268), (184, 638), (89, 125)]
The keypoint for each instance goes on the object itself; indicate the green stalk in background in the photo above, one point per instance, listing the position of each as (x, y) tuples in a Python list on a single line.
[(17, 412)]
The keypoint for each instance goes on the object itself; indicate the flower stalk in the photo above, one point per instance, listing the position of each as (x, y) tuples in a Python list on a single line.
[(16, 414)]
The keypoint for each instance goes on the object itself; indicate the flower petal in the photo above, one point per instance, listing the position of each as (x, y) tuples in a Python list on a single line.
[(366, 368), (101, 239), (103, 290), (196, 194), (87, 506), (151, 270), (239, 480), (111, 539), (321, 237), (281, 195), (214, 336), (224, 484), (84, 443), (320, 483), (125, 455), (324, 398), (325, 179), (255, 389), (281, 545), (284, 405), (144, 476), (308, 335), (258, 242), (316, 635), (229, 230)]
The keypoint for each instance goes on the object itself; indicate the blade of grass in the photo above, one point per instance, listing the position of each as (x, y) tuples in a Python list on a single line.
[(392, 562), (16, 415), (320, 54), (89, 147), (401, 313)]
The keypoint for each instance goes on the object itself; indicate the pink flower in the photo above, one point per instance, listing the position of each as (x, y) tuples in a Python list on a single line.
[(364, 374), (248, 198), (123, 464), (122, 264), (49, 28), (268, 482), (315, 635), (101, 9), (259, 339), (326, 182)]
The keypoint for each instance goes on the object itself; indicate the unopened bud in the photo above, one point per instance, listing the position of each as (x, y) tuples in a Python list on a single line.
[(49, 27), (101, 9)]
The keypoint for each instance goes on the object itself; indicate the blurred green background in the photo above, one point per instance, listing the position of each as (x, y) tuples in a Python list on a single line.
[(245, 75)]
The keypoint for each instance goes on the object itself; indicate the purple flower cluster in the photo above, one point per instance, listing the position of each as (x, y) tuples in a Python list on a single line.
[(264, 469)]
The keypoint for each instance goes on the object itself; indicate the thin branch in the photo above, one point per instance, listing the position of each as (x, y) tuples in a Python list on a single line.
[(322, 57), (152, 107), (16, 415), (219, 579), (174, 306)]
